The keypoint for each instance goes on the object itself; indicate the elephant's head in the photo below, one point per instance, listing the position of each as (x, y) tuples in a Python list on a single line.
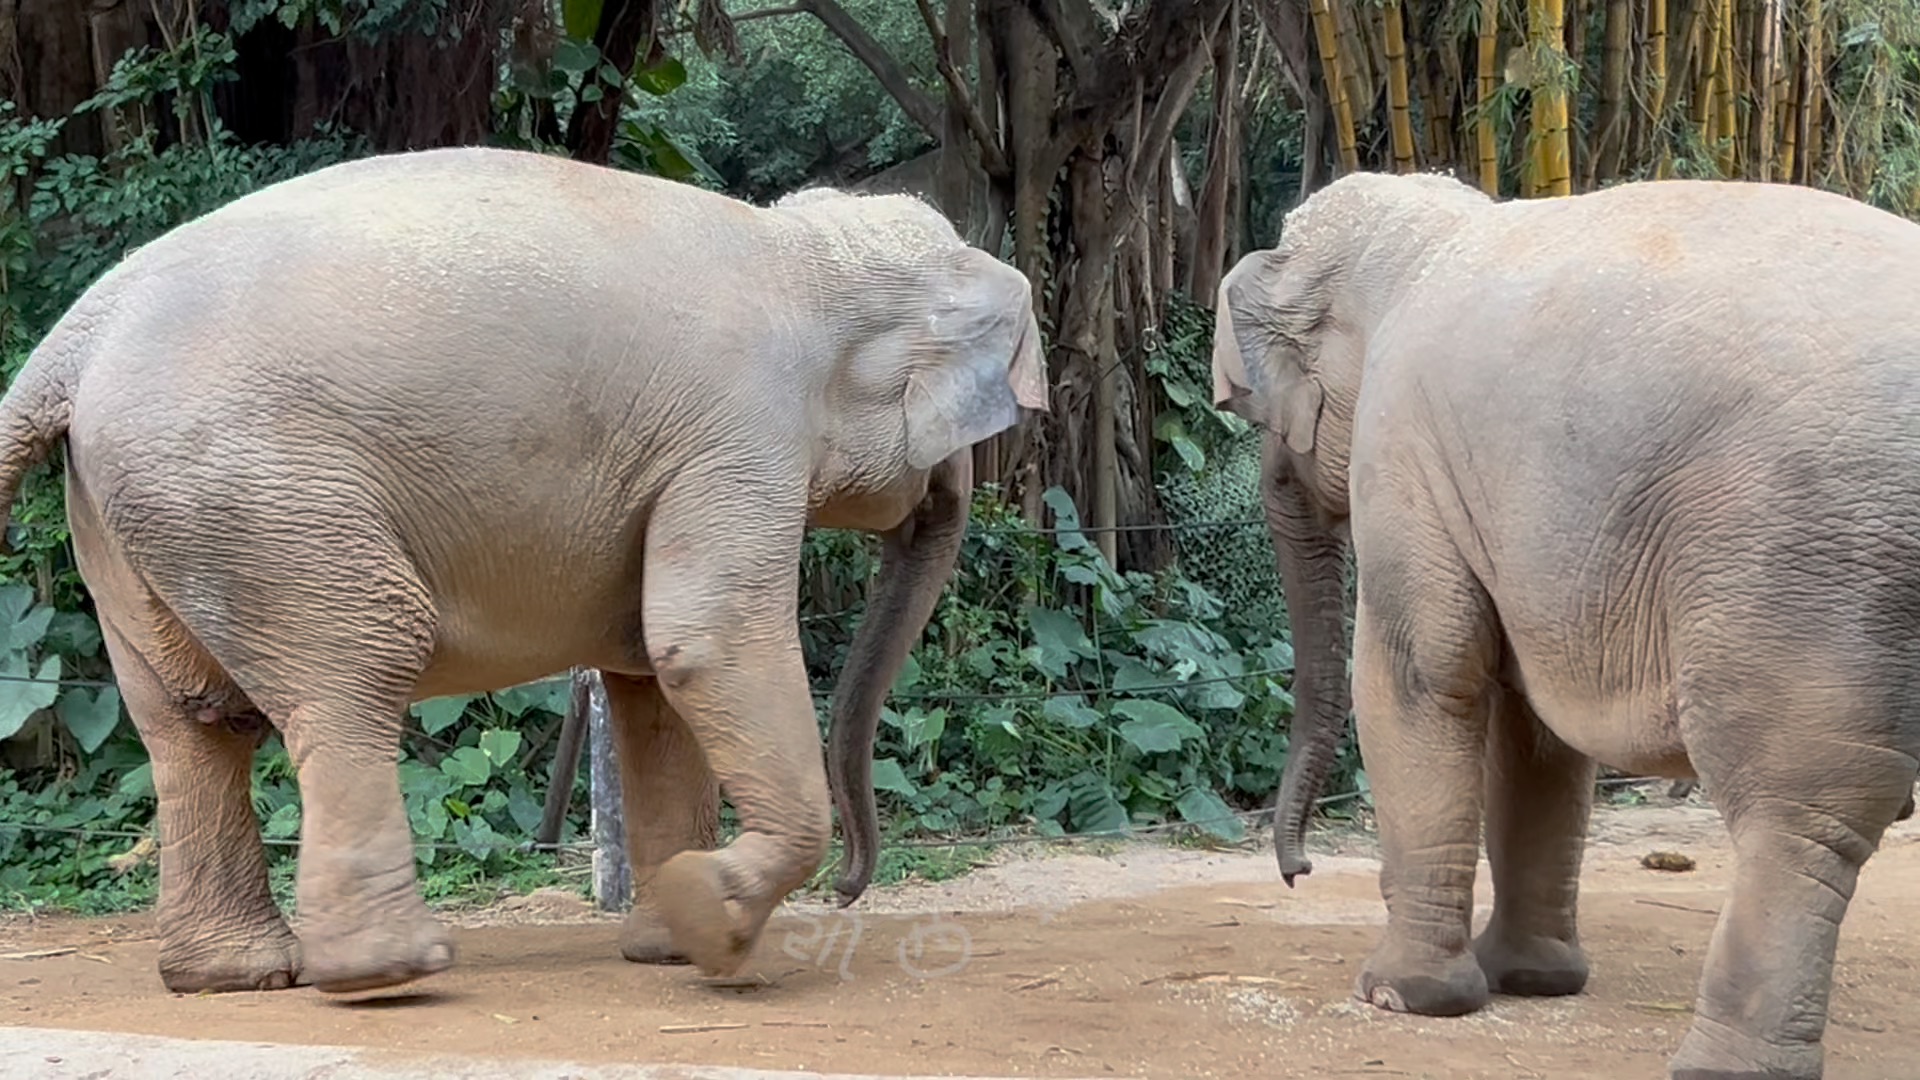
[(938, 346), (1290, 343), (938, 349)]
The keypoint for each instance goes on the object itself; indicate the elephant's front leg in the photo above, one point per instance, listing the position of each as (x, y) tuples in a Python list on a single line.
[(671, 802), (1423, 643), (723, 636), (1539, 795)]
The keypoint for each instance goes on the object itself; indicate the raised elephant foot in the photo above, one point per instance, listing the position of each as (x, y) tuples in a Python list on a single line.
[(1712, 1051), (646, 939), (1395, 980), (709, 925), (1530, 965), (270, 960), (377, 954)]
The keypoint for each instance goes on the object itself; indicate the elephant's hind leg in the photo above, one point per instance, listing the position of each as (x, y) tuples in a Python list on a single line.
[(1539, 795), (671, 803), (1806, 806), (219, 927), (332, 653)]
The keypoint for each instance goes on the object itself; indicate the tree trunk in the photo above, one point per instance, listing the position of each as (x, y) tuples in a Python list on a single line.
[(1488, 76), (1223, 151), (625, 34)]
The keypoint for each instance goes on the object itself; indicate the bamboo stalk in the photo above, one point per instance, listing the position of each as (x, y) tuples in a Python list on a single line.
[(1488, 86), (1603, 164), (1657, 78), (1705, 54), (1356, 61), (1329, 37), (1766, 91), (1787, 136), (1727, 127), (1812, 94), (1399, 116), (1550, 97)]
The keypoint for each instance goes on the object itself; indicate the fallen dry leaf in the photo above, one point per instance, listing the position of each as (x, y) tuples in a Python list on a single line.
[(1671, 861)]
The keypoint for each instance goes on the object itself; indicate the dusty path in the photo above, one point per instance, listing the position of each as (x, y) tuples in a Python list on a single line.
[(1155, 962)]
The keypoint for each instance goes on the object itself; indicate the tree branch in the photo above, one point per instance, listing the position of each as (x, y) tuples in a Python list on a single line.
[(992, 158), (1073, 30), (1173, 98), (916, 103)]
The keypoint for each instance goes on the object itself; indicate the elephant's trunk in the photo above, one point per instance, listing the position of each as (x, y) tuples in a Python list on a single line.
[(916, 559), (1312, 563)]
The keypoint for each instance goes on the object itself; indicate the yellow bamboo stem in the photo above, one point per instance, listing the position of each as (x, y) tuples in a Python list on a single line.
[(1329, 38), (1548, 39), (1489, 84), (1399, 116)]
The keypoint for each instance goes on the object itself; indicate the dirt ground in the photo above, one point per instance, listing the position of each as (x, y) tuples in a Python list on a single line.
[(1152, 962)]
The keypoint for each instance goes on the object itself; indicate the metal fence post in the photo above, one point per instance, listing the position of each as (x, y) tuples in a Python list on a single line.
[(612, 881)]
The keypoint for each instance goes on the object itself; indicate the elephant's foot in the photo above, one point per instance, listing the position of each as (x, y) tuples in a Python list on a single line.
[(377, 953), (1398, 980), (266, 959), (1714, 1051), (646, 939), (1530, 965), (710, 924)]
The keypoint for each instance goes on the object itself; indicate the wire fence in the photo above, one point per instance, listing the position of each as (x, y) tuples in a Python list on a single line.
[(975, 529)]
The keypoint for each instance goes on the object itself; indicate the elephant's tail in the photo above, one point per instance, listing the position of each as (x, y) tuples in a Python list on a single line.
[(35, 412)]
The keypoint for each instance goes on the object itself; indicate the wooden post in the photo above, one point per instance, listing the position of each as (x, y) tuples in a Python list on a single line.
[(566, 759), (612, 880)]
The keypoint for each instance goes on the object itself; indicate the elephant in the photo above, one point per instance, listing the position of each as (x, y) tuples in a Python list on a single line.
[(447, 421), (1630, 476)]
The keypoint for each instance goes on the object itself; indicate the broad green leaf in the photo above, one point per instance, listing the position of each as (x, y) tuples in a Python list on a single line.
[(909, 676), (476, 837), (549, 695), (439, 714), (1066, 519), (1069, 712), (1091, 805), (16, 599), (26, 631), (1060, 639), (889, 776), (1190, 453), (437, 819), (24, 692), (575, 57), (138, 783), (1208, 811), (467, 766), (1155, 727), (91, 715), (661, 77), (525, 810), (73, 633), (499, 745), (921, 728), (284, 823), (580, 17)]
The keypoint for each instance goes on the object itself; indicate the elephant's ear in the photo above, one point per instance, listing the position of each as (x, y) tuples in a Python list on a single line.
[(1274, 313), (986, 362)]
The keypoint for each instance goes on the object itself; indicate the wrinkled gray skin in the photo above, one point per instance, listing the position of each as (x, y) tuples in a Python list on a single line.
[(446, 422), (1630, 477)]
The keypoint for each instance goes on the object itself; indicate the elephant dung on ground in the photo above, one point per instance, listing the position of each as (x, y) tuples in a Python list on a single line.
[(1630, 477), (443, 422)]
